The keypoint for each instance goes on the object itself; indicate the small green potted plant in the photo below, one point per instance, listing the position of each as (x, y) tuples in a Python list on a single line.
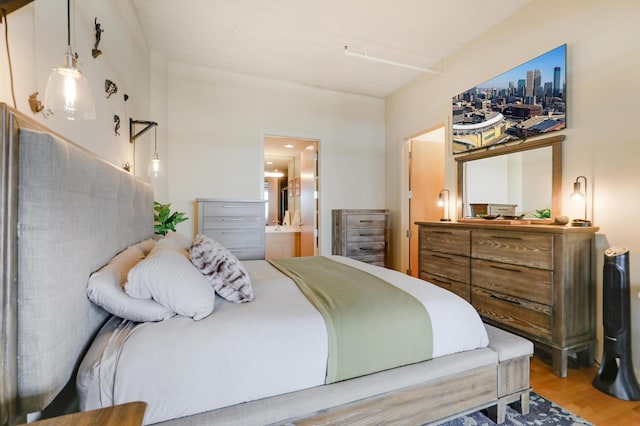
[(543, 214), (164, 219)]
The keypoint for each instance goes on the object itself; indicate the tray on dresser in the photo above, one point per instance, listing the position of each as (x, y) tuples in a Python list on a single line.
[(497, 221)]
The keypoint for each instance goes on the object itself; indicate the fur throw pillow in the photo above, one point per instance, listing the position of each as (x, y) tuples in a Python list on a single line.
[(222, 268)]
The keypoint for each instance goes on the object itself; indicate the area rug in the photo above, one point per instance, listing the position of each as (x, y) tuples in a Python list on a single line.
[(541, 412)]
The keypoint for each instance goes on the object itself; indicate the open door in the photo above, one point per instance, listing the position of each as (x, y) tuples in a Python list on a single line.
[(426, 179), (308, 200)]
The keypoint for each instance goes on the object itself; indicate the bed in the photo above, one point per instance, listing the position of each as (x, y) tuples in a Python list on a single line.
[(67, 213)]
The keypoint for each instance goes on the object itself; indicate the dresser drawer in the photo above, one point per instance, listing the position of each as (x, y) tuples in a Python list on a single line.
[(233, 208), (461, 289), (233, 222), (366, 248), (374, 259), (518, 248), (366, 221), (514, 280), (520, 314), (446, 240), (366, 234), (233, 238), (444, 265), (247, 253)]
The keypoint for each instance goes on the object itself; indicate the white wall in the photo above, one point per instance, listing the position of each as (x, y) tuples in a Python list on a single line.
[(38, 40), (603, 58), (217, 121)]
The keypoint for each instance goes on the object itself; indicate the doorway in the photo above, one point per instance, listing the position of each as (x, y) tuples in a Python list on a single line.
[(424, 169), (291, 192)]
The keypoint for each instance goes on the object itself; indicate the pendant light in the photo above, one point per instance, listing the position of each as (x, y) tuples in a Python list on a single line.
[(154, 169), (68, 94)]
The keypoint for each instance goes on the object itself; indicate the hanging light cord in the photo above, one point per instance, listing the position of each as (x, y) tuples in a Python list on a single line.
[(69, 23), (6, 39)]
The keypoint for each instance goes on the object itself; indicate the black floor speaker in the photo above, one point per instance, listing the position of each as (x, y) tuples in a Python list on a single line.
[(616, 376)]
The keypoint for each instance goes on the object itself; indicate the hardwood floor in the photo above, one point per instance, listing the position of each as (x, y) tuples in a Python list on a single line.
[(576, 394)]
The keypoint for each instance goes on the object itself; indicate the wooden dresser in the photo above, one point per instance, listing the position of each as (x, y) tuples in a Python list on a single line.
[(239, 225), (361, 235), (535, 280)]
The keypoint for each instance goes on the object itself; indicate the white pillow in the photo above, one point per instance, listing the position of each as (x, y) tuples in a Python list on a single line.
[(222, 268), (177, 239), (105, 290), (145, 245), (167, 276)]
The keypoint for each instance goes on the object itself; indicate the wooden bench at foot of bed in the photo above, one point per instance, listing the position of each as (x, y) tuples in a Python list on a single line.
[(453, 385)]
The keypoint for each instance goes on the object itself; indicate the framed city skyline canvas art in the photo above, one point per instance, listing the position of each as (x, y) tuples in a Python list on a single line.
[(525, 101)]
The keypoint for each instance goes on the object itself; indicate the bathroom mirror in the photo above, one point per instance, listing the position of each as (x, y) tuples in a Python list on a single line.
[(526, 177)]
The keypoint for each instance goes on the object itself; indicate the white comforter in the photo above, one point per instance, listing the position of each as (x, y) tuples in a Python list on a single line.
[(273, 345)]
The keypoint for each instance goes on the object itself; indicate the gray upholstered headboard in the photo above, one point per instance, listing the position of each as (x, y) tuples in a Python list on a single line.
[(65, 213)]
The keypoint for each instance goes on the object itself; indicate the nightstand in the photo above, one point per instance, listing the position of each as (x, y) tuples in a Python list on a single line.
[(129, 414)]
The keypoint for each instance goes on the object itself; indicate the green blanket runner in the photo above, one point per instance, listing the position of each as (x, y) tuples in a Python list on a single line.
[(372, 325)]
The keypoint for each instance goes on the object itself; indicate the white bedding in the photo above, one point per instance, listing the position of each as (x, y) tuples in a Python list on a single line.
[(241, 352)]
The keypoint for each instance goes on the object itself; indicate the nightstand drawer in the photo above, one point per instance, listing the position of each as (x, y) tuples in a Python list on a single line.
[(366, 234), (374, 259), (520, 314), (366, 248), (445, 265), (366, 221), (233, 238), (461, 289), (454, 241), (247, 253), (233, 222), (514, 280), (518, 248), (231, 208)]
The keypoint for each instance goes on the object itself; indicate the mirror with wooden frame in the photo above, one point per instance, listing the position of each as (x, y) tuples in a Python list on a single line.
[(525, 178)]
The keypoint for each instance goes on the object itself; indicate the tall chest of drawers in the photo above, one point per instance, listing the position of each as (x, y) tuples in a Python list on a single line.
[(361, 234), (239, 225), (534, 280)]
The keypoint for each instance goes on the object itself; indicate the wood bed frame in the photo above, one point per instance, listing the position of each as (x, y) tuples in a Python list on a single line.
[(41, 343)]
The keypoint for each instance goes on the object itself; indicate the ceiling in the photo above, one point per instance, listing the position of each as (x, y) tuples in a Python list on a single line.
[(303, 41)]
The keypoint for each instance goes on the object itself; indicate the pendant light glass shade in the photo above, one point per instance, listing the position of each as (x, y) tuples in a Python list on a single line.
[(155, 168), (68, 94)]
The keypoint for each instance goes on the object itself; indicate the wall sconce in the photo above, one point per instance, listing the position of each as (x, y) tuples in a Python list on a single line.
[(578, 197), (68, 92), (154, 169), (446, 204)]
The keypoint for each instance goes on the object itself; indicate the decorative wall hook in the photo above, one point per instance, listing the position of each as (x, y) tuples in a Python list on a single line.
[(95, 52), (116, 119), (34, 103), (110, 88)]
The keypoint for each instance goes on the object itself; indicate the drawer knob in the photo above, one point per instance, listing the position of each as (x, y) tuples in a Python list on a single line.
[(504, 299), (448, 284), (366, 220), (502, 237), (441, 256), (504, 268)]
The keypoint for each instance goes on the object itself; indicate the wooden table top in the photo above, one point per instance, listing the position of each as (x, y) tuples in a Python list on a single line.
[(129, 414)]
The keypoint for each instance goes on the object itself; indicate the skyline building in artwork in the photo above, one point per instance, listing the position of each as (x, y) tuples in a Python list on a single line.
[(556, 81)]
